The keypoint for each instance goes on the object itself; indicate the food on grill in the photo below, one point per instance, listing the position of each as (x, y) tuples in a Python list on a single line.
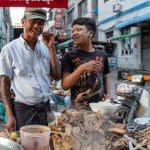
[(13, 136), (77, 130), (118, 129), (143, 138)]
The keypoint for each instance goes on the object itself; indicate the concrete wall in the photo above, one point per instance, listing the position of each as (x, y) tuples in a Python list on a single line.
[(131, 61), (106, 11), (107, 21), (73, 5)]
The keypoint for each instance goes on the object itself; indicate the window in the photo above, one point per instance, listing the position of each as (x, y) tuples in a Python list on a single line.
[(109, 35), (126, 48), (82, 8), (70, 16)]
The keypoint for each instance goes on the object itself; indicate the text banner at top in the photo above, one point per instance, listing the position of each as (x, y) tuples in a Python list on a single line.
[(34, 3)]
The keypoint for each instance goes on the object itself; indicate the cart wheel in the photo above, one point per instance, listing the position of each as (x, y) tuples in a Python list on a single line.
[(123, 113)]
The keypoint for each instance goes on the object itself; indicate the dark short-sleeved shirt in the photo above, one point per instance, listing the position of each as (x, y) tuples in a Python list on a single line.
[(92, 82)]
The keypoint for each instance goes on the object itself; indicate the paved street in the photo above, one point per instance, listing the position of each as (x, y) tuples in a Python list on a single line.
[(114, 82)]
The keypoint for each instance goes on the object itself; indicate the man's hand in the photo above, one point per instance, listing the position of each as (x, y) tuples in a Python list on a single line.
[(81, 96), (107, 97), (48, 38), (11, 123), (92, 66)]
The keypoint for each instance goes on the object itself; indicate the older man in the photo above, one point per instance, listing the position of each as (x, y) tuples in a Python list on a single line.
[(25, 67)]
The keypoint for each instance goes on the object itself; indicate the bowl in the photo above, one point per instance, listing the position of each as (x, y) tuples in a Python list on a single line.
[(104, 107), (142, 123)]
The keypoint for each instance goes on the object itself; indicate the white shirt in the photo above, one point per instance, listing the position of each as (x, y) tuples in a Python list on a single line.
[(28, 70)]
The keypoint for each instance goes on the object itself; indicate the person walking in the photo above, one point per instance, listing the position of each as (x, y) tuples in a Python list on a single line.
[(26, 65), (85, 69)]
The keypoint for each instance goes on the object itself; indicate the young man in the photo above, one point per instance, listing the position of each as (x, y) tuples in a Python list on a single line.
[(25, 67), (85, 70)]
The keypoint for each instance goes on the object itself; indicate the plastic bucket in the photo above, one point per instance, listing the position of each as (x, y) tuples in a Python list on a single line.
[(35, 137)]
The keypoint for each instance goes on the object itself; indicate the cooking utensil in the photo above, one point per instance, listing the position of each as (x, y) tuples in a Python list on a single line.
[(6, 144)]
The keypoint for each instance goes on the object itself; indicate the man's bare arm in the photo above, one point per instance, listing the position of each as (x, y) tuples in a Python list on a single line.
[(48, 39), (6, 97), (70, 79), (56, 71), (5, 90)]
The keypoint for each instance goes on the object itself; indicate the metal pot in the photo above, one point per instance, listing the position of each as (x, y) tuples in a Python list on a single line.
[(6, 144)]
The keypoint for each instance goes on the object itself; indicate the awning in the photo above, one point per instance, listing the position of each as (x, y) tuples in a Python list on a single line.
[(133, 21), (64, 44), (119, 37)]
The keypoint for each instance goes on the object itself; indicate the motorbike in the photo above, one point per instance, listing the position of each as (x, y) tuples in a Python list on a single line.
[(133, 99), (132, 102)]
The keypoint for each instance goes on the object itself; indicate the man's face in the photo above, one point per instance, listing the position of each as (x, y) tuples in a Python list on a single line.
[(33, 27), (80, 34)]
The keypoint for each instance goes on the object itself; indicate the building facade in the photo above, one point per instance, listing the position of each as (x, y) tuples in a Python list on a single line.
[(80, 8), (6, 32), (126, 23), (76, 8)]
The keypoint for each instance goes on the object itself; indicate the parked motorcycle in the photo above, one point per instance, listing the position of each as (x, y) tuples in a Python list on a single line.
[(134, 100)]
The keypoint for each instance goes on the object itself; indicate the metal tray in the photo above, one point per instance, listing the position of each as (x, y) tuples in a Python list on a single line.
[(6, 144)]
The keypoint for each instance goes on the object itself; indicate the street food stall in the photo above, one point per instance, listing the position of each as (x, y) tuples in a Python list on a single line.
[(78, 130)]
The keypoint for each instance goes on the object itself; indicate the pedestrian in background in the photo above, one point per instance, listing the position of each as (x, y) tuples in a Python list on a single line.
[(85, 69), (25, 67)]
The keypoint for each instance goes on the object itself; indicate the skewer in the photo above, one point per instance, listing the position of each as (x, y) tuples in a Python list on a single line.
[(134, 142), (145, 130)]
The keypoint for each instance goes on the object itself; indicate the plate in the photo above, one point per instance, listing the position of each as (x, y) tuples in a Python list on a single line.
[(6, 144)]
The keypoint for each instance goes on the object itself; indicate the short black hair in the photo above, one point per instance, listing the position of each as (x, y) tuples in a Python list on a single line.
[(86, 21)]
